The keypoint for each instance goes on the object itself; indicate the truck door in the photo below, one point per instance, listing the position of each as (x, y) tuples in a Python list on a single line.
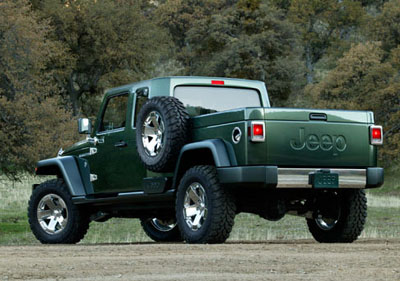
[(116, 163)]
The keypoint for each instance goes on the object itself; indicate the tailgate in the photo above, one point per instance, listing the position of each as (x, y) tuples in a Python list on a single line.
[(315, 138)]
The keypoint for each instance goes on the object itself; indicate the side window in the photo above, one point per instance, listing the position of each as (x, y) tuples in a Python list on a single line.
[(115, 113), (141, 98)]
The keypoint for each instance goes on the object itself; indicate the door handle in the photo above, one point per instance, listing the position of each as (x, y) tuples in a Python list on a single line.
[(121, 144)]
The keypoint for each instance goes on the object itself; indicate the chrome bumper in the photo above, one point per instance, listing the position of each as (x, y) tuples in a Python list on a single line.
[(298, 177), (275, 177)]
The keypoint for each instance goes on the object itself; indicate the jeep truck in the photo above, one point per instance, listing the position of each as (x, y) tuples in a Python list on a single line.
[(186, 154)]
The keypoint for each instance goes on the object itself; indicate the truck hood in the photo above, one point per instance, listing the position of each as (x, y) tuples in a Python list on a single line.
[(76, 148)]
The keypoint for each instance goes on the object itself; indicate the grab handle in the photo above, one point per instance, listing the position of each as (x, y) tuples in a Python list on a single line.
[(318, 116)]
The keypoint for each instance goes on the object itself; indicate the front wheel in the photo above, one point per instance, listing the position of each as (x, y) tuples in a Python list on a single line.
[(205, 211), (53, 217), (339, 216), (161, 230)]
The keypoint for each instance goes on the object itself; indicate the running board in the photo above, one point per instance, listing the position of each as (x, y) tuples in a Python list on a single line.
[(137, 196)]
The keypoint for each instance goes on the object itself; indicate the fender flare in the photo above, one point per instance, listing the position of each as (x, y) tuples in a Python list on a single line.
[(75, 172), (222, 153)]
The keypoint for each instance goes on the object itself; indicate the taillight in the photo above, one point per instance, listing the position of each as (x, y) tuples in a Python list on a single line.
[(257, 131), (217, 82), (376, 135)]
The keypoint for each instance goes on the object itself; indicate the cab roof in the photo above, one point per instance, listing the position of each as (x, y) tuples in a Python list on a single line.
[(158, 86)]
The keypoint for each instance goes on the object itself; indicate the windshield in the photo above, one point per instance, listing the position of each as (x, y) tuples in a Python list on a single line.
[(205, 99)]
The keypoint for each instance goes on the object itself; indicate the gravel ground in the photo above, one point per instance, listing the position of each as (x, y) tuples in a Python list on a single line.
[(270, 260)]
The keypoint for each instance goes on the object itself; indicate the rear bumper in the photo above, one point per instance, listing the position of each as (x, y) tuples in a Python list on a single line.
[(275, 177)]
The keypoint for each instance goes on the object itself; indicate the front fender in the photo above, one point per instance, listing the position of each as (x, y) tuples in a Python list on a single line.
[(75, 172)]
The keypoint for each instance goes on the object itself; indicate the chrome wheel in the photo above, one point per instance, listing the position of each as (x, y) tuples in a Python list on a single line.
[(328, 212), (52, 214), (194, 208), (153, 134), (163, 225), (326, 223)]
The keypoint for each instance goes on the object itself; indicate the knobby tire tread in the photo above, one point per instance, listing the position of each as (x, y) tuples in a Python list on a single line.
[(224, 208), (80, 223)]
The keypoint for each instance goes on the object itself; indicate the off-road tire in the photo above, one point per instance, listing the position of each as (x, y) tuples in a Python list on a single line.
[(172, 235), (350, 224), (176, 123), (78, 221), (220, 204)]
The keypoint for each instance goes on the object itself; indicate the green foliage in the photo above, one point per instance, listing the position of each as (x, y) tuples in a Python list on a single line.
[(58, 55), (179, 16), (26, 51), (32, 123), (112, 42), (363, 81), (32, 129), (323, 24), (386, 26), (250, 39)]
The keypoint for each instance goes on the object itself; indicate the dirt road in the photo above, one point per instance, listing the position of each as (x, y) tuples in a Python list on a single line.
[(272, 260)]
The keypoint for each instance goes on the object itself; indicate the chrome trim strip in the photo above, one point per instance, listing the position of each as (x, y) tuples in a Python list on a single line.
[(93, 177), (133, 193), (95, 140), (102, 133), (92, 150), (298, 177)]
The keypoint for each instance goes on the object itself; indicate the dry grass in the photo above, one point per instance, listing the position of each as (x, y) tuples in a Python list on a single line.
[(383, 221), (383, 201)]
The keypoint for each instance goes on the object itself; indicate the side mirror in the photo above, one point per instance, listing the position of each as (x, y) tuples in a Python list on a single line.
[(84, 126)]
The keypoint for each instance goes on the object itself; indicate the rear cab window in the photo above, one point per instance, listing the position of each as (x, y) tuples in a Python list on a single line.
[(200, 100)]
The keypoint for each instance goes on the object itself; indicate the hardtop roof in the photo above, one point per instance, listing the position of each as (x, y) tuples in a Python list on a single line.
[(203, 80)]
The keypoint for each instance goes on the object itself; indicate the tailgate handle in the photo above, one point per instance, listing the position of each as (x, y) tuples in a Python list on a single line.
[(318, 116)]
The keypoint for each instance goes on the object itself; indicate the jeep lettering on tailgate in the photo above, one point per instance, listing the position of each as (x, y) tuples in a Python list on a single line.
[(313, 142)]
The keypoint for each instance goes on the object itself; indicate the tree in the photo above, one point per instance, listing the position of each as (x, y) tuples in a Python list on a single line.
[(32, 123), (32, 129), (386, 26), (247, 39), (363, 81), (112, 42), (26, 51), (323, 23), (179, 16)]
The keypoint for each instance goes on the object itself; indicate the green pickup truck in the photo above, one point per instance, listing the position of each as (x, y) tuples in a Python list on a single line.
[(186, 154)]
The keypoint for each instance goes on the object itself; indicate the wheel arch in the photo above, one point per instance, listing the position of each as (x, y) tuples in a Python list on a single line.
[(74, 171), (209, 152)]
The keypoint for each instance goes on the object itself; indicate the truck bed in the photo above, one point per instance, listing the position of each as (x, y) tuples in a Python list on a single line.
[(294, 137)]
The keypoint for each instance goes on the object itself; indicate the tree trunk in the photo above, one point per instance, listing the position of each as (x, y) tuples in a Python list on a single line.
[(74, 102), (73, 94), (309, 64)]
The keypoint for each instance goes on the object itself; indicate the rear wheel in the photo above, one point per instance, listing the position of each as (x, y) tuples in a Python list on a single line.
[(339, 216), (53, 217), (205, 212), (161, 230)]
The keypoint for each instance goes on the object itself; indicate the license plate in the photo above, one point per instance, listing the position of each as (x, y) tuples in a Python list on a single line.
[(323, 179)]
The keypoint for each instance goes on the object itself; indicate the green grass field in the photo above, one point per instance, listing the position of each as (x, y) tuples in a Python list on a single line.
[(383, 219)]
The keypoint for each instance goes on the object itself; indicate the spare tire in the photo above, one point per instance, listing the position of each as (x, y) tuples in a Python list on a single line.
[(161, 130)]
